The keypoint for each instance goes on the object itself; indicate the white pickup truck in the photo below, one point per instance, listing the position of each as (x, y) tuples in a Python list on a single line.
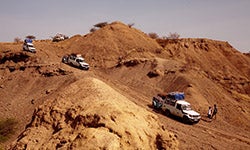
[(174, 104), (75, 60), (28, 46)]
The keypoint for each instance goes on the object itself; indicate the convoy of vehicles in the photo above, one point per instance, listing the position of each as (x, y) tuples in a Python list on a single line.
[(75, 60), (174, 104), (171, 104)]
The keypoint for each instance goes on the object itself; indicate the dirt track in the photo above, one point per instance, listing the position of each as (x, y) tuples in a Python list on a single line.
[(209, 72)]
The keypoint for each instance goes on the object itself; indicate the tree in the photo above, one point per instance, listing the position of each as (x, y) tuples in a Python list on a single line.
[(173, 36), (130, 25), (92, 29), (31, 37), (101, 24), (17, 39), (153, 35)]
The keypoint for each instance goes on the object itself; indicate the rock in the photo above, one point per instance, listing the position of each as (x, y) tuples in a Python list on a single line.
[(48, 91)]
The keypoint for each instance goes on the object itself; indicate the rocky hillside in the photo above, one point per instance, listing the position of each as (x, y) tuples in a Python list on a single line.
[(101, 118), (109, 106)]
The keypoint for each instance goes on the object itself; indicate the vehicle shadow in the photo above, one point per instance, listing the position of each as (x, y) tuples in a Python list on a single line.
[(205, 118), (78, 67), (175, 118)]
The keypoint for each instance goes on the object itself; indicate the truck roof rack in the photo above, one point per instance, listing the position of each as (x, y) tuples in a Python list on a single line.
[(176, 95)]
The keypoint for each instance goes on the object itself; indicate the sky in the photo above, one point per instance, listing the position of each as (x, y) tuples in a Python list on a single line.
[(224, 20)]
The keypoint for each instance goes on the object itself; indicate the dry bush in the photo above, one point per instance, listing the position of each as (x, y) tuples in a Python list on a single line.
[(17, 39), (153, 35), (101, 24), (92, 29), (131, 25), (173, 36)]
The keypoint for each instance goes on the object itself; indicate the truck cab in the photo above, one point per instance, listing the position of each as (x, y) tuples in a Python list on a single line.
[(182, 109)]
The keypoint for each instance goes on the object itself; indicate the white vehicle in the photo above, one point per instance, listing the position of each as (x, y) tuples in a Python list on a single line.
[(75, 60), (28, 46), (59, 37), (174, 104)]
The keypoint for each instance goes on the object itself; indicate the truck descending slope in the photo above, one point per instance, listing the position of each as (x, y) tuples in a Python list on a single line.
[(75, 60), (174, 104), (28, 46)]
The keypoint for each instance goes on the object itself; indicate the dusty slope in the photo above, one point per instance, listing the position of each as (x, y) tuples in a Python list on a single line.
[(92, 115), (106, 46), (207, 71), (201, 76)]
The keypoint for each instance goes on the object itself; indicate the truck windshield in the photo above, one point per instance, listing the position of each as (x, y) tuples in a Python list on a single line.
[(186, 107)]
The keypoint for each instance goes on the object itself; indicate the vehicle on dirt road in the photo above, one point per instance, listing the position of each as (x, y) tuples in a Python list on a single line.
[(174, 104), (28, 46), (59, 37), (75, 60)]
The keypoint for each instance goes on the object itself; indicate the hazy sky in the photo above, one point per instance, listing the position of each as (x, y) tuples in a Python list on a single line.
[(226, 20)]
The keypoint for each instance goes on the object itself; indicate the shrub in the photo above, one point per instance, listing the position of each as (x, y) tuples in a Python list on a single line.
[(17, 40), (92, 29), (31, 37), (153, 35), (130, 25), (173, 36), (101, 24), (7, 128)]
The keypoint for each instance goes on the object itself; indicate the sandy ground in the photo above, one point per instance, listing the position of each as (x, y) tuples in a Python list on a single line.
[(209, 72)]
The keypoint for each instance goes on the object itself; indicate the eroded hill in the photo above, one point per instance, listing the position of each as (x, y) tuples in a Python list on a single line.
[(101, 118), (136, 68)]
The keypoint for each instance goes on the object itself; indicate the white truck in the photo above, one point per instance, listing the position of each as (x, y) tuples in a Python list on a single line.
[(75, 60), (28, 46), (59, 37), (174, 104)]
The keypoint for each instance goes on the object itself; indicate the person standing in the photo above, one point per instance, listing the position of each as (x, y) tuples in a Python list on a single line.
[(214, 111), (209, 113)]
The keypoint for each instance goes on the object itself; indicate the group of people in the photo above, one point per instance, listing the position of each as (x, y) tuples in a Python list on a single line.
[(212, 112)]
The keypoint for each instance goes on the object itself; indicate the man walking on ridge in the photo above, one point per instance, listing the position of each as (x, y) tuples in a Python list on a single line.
[(214, 111)]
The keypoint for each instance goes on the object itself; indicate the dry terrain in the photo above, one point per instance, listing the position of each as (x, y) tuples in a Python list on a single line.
[(109, 106)]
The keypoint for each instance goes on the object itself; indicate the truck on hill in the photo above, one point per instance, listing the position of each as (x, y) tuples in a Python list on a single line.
[(28, 46), (174, 104), (75, 60)]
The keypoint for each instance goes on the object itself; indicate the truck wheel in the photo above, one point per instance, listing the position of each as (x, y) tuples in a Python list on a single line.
[(167, 112), (154, 105), (185, 119)]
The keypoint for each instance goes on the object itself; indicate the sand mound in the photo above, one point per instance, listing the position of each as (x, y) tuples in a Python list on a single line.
[(113, 42), (96, 117)]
